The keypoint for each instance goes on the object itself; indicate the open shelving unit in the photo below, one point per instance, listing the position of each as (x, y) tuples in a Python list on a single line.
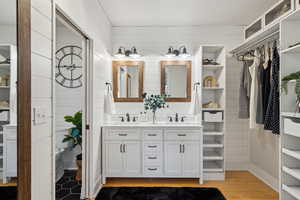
[(213, 131), (290, 139)]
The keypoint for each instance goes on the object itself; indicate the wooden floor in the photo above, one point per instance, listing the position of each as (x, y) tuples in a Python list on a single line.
[(12, 183), (239, 185)]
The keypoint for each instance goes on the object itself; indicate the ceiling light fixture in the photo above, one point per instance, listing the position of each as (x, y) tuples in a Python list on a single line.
[(181, 52), (122, 52)]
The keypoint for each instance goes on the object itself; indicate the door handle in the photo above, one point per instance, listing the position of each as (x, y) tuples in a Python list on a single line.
[(154, 146), (180, 148), (152, 158), (152, 135), (183, 148), (124, 148), (181, 135), (121, 148), (122, 134), (152, 169)]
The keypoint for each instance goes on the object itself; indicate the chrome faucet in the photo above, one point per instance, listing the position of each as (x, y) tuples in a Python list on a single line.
[(176, 117), (127, 117)]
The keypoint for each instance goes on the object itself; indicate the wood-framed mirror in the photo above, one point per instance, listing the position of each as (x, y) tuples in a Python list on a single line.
[(176, 80), (128, 81)]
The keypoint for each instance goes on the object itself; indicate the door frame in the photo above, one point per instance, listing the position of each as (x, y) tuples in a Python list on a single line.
[(87, 46), (24, 99)]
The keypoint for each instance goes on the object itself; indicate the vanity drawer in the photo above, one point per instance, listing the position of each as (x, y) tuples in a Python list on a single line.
[(153, 134), (152, 159), (122, 134), (291, 127), (152, 171), (182, 135), (152, 148)]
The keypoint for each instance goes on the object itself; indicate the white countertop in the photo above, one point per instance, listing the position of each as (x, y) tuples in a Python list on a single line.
[(290, 114), (150, 124)]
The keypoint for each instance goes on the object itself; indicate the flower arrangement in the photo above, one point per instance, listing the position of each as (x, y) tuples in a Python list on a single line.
[(284, 84), (154, 102)]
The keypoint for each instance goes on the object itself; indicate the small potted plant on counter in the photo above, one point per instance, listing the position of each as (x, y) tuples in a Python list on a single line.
[(154, 102), (74, 137)]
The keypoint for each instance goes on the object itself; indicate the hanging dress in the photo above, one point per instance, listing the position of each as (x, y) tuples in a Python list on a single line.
[(259, 108), (254, 89), (245, 85), (272, 113), (266, 86)]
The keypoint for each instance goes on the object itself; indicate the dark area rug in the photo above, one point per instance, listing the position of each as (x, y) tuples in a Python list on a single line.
[(8, 193), (159, 193), (67, 188)]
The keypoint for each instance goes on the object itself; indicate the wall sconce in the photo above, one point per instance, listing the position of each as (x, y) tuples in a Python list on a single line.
[(181, 51), (122, 52)]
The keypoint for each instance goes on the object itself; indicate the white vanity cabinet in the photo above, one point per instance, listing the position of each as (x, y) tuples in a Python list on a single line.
[(152, 151)]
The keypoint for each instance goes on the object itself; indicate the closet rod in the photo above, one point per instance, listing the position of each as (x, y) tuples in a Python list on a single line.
[(272, 36)]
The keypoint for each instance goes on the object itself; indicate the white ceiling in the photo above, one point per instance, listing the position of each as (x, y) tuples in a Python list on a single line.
[(184, 12)]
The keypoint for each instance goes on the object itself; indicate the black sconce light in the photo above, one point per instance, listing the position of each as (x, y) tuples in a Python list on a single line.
[(122, 52), (181, 51)]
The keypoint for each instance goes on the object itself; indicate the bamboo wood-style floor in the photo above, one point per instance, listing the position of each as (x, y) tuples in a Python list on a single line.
[(239, 185), (12, 183)]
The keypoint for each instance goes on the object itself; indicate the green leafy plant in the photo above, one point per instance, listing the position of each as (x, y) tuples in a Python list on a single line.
[(284, 84), (75, 133), (154, 102)]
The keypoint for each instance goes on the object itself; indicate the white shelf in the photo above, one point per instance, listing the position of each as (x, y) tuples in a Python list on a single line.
[(293, 172), (292, 153), (212, 88), (215, 145), (211, 133), (211, 155), (212, 67), (292, 50), (209, 166), (212, 109), (4, 87), (4, 65), (294, 191), (1, 109)]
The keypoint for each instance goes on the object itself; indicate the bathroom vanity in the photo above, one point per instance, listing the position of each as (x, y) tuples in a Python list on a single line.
[(162, 150)]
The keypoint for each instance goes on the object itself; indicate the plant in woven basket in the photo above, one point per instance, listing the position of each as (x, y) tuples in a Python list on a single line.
[(284, 85)]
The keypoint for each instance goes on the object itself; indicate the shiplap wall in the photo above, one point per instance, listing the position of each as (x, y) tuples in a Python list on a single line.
[(90, 17), (41, 97), (68, 101)]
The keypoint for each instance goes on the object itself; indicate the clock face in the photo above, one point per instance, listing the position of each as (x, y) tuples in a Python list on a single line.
[(69, 67)]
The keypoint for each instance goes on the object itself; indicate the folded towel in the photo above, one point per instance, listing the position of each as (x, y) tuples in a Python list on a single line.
[(109, 104)]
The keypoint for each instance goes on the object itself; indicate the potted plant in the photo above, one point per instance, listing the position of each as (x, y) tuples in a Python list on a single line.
[(154, 103), (284, 85), (74, 137)]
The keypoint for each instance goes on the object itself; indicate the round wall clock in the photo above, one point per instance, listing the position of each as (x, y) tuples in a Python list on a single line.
[(69, 66)]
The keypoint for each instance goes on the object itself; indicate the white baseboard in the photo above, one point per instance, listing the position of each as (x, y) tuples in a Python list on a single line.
[(264, 176)]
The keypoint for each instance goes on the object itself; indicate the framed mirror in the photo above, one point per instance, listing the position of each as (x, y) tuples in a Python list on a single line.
[(176, 80), (128, 81)]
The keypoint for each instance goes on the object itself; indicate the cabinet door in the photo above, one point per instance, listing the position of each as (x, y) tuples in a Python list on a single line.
[(173, 159), (132, 159), (114, 158), (191, 159)]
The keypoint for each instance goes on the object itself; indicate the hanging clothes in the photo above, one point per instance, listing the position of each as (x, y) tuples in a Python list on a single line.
[(254, 89), (272, 121), (266, 83), (245, 87), (259, 108)]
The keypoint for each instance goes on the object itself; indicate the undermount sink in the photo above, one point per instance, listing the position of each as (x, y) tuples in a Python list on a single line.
[(133, 124)]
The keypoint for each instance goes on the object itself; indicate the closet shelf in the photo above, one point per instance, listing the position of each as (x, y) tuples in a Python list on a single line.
[(292, 153), (4, 87), (213, 67), (293, 172), (211, 133), (212, 88), (213, 145), (294, 191), (4, 65), (290, 114), (209, 166), (291, 50), (212, 109)]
